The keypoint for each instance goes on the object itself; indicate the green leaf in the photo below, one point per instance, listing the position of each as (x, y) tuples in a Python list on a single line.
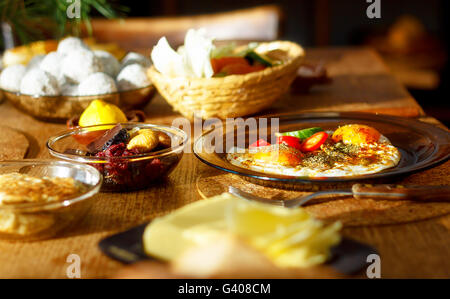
[(26, 16)]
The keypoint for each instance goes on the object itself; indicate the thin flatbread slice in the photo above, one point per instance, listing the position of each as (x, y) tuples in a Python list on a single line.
[(354, 212), (13, 144)]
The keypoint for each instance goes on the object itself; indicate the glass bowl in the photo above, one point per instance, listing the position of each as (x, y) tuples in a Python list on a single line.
[(121, 174), (35, 221)]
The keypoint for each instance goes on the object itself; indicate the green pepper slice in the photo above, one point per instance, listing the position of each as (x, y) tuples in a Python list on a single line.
[(302, 134)]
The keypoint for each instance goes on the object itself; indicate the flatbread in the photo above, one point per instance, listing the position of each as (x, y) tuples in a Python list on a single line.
[(13, 144), (353, 212), (350, 211)]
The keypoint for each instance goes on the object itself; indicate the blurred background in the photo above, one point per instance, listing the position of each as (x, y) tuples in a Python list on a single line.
[(411, 35)]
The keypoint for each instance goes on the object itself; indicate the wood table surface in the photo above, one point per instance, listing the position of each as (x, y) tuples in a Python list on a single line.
[(361, 82)]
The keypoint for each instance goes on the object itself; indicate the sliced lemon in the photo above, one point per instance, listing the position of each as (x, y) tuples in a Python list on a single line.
[(99, 112)]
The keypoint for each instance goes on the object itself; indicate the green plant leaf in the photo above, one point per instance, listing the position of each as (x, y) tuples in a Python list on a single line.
[(25, 16)]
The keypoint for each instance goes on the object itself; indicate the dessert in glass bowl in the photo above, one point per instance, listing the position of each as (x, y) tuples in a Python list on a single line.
[(39, 198), (130, 156)]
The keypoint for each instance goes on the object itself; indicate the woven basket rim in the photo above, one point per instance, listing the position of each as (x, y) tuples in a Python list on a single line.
[(301, 53)]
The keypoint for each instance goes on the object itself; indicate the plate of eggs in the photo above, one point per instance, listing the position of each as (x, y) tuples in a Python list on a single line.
[(326, 150)]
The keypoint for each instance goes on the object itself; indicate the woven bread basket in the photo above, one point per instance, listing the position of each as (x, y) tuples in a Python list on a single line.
[(233, 95)]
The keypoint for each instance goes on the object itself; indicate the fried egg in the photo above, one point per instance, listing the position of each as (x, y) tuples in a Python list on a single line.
[(351, 150)]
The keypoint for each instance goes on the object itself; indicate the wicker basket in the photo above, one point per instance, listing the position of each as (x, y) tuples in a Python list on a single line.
[(234, 95)]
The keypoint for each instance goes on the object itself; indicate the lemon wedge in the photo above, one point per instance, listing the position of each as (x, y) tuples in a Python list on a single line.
[(288, 237), (99, 112)]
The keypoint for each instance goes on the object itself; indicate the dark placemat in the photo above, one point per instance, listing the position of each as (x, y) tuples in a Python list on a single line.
[(349, 257)]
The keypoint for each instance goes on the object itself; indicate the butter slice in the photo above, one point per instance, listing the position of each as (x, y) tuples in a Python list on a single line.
[(194, 224), (287, 237)]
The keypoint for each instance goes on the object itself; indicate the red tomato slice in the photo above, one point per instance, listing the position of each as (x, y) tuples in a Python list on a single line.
[(219, 63), (257, 68), (260, 142), (237, 69), (290, 141), (314, 142)]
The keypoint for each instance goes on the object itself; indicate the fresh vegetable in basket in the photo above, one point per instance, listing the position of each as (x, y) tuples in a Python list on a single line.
[(200, 58)]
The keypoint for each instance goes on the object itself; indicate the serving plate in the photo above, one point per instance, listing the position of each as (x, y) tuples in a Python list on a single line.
[(421, 145), (348, 257), (60, 108)]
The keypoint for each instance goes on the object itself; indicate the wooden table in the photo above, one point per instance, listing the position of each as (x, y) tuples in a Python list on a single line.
[(361, 82)]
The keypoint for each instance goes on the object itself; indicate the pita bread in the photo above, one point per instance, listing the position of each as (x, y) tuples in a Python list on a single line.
[(13, 144)]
